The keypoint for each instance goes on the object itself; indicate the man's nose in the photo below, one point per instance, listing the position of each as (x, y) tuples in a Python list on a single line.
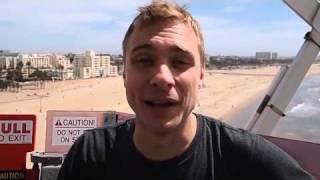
[(163, 78)]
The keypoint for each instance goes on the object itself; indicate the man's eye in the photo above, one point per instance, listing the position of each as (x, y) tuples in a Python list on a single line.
[(146, 61), (180, 62)]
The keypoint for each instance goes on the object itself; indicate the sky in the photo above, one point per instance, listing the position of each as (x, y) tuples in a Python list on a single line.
[(230, 27)]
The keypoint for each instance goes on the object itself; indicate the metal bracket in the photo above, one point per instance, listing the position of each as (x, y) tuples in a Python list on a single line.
[(316, 20), (47, 158), (277, 110), (309, 38)]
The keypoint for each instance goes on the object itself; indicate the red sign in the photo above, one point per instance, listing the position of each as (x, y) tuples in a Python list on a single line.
[(17, 137)]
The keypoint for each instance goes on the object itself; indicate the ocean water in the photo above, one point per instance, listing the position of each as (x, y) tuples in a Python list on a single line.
[(302, 120)]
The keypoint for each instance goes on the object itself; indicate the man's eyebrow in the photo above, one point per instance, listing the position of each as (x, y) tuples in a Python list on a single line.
[(142, 46), (179, 49), (174, 48)]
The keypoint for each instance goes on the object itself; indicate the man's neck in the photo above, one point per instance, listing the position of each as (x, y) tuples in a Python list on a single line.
[(155, 146)]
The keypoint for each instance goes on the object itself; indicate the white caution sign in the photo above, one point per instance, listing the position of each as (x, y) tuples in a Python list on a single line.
[(67, 129), (16, 132)]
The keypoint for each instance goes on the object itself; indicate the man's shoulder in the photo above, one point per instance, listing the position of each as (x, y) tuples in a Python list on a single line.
[(230, 138), (95, 145), (91, 153), (109, 132), (223, 128), (103, 138), (240, 148)]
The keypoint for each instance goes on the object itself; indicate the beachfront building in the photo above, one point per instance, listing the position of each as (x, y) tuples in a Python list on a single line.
[(31, 62), (117, 61), (274, 56), (266, 55), (91, 65), (62, 67), (60, 60), (113, 71), (85, 72), (39, 61), (8, 60)]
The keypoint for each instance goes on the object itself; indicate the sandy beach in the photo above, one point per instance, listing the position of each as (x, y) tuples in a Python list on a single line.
[(223, 92)]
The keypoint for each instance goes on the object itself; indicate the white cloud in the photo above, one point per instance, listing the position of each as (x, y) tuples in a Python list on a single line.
[(43, 24), (66, 17), (228, 36), (77, 9)]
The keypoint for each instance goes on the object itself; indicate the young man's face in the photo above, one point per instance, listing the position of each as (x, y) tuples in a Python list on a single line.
[(163, 73)]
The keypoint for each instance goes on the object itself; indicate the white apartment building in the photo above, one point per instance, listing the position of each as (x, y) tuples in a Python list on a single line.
[(63, 66), (113, 71), (91, 65), (274, 55), (266, 55), (8, 61), (40, 61), (61, 60), (85, 72)]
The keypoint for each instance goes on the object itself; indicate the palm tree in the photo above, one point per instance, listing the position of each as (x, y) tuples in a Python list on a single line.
[(29, 66), (61, 67), (18, 71), (70, 56), (19, 65), (1, 69)]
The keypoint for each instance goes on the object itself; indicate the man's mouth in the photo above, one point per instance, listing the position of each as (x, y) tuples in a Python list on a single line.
[(161, 103)]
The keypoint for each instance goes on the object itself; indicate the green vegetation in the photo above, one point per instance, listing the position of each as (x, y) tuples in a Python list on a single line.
[(40, 75)]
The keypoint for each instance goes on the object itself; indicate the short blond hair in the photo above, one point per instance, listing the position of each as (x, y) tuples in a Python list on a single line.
[(162, 10)]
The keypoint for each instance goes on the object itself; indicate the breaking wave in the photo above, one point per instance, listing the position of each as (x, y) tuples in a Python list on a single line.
[(302, 120)]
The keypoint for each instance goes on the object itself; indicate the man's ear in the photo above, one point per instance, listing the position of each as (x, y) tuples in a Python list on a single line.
[(202, 72), (124, 74), (124, 78)]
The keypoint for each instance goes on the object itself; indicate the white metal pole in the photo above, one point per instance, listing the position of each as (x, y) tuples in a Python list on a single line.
[(275, 83), (289, 84)]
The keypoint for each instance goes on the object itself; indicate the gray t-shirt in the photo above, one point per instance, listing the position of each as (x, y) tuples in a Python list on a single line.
[(218, 152)]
